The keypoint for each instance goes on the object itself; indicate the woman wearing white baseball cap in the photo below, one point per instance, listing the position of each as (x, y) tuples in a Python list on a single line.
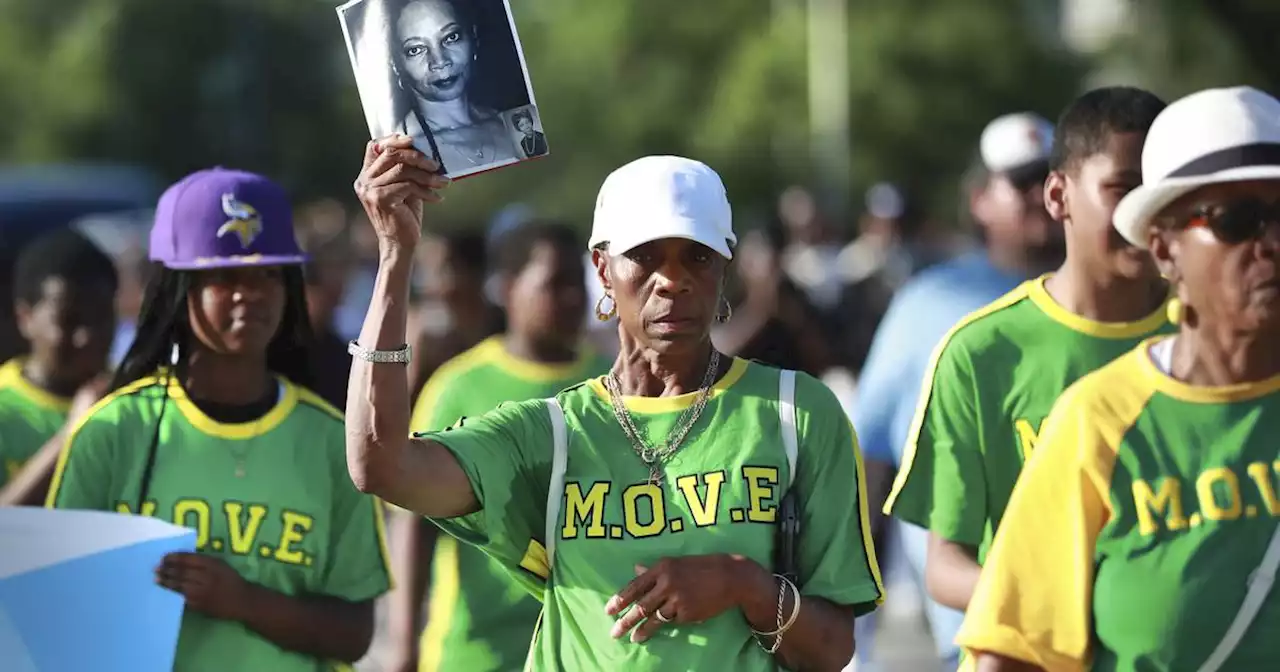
[(674, 513), (1145, 526)]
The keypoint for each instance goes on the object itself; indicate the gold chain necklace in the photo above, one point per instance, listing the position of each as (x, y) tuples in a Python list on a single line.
[(653, 457)]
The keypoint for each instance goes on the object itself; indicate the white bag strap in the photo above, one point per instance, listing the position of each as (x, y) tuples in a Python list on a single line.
[(1259, 585), (555, 489), (787, 418)]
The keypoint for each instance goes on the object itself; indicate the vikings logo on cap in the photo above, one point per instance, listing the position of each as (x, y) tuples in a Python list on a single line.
[(245, 221)]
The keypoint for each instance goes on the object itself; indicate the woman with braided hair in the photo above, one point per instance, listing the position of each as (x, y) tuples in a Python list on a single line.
[(210, 425)]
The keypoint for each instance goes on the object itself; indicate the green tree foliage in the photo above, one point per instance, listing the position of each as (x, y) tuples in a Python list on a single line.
[(265, 84), (1176, 47)]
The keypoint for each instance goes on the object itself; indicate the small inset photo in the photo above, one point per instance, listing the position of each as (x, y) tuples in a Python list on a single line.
[(448, 73), (526, 131)]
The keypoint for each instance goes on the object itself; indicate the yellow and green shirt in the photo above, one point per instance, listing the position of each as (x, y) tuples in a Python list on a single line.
[(1129, 541), (479, 618), (271, 497), (29, 417), (720, 495), (991, 383)]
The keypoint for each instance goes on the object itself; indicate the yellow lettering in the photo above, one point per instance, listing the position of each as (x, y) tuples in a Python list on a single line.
[(587, 509), (1261, 476), (294, 527), (148, 507), (761, 482), (1209, 505), (243, 533), (1149, 504), (704, 511), (631, 514), (182, 511), (1027, 437)]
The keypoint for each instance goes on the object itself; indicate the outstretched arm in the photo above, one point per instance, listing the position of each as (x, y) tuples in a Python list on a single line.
[(30, 486), (418, 475), (411, 560)]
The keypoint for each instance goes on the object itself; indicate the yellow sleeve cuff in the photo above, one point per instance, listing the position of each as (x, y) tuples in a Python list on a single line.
[(1010, 643)]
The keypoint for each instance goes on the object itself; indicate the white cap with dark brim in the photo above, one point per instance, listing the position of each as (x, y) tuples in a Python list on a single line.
[(1016, 141), (1209, 137), (658, 197)]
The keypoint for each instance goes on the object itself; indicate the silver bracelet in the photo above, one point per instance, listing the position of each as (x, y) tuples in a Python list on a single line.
[(784, 584), (401, 355)]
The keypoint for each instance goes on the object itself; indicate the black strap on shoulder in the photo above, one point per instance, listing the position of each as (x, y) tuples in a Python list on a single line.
[(144, 488)]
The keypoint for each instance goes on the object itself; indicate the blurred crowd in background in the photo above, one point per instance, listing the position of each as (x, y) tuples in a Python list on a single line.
[(108, 100)]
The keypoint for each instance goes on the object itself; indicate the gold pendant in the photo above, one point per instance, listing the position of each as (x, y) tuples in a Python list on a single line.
[(655, 475)]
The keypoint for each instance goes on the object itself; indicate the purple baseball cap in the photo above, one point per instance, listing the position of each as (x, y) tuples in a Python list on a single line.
[(218, 218)]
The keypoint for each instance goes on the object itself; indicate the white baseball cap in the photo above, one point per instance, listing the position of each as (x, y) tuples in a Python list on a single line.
[(1209, 137), (658, 197), (1016, 141)]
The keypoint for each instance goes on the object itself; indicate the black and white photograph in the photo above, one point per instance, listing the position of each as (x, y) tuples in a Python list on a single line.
[(450, 74), (526, 131)]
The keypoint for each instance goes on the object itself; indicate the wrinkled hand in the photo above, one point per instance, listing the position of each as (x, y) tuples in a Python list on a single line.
[(89, 394), (691, 589), (394, 182), (210, 585)]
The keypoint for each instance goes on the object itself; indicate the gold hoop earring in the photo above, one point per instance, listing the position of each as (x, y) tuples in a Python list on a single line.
[(727, 314), (601, 314), (1174, 310)]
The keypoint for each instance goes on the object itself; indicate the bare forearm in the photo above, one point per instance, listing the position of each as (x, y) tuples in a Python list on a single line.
[(31, 484), (820, 639), (325, 628), (414, 538), (418, 475), (951, 572), (378, 394)]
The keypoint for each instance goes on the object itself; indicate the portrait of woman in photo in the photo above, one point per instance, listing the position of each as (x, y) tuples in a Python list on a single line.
[(448, 73), (532, 142), (434, 49)]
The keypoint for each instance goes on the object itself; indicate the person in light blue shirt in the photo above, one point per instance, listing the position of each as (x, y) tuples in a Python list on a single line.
[(1019, 241)]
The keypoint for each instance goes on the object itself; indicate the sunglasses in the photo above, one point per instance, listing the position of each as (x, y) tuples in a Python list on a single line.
[(1235, 221)]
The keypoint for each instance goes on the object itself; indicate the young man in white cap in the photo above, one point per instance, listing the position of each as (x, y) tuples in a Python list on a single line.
[(995, 376), (1006, 200)]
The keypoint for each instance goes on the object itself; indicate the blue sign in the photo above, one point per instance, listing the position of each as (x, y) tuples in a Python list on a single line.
[(78, 591)]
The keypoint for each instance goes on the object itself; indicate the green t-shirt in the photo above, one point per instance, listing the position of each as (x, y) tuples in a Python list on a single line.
[(29, 417), (479, 618), (1133, 535), (720, 495), (992, 381), (292, 522)]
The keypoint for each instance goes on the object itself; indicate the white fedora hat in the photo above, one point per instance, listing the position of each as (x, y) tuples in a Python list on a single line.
[(1208, 137)]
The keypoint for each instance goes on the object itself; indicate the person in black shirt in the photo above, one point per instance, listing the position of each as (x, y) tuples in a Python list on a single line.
[(772, 322), (325, 284)]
